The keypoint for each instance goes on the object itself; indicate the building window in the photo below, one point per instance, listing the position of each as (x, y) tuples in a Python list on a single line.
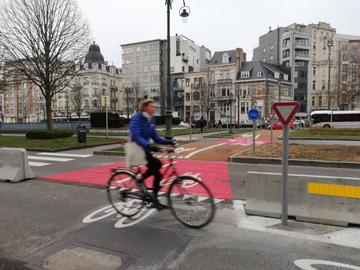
[(225, 58), (314, 85), (264, 50), (323, 84), (259, 74), (313, 101), (314, 70), (320, 101), (271, 57), (187, 82), (271, 47)]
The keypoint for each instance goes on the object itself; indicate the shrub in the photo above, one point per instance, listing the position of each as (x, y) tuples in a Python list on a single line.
[(44, 134), (336, 131)]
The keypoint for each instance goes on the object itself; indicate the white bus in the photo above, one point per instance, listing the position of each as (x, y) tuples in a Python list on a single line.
[(335, 119)]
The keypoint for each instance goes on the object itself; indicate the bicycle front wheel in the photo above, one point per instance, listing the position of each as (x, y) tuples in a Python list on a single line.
[(121, 190), (191, 202)]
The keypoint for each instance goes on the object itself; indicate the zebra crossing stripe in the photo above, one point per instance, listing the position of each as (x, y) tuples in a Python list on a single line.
[(38, 164), (49, 158), (64, 155)]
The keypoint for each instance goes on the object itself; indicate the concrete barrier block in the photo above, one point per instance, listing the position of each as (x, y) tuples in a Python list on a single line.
[(322, 199), (14, 165)]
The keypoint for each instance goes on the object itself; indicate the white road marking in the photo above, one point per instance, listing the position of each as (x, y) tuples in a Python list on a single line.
[(64, 155), (216, 201), (308, 264), (204, 149), (202, 198), (38, 164), (50, 158)]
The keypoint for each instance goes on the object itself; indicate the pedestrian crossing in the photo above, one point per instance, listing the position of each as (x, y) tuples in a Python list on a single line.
[(45, 159)]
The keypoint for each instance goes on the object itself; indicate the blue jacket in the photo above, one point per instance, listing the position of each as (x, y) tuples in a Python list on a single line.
[(141, 130)]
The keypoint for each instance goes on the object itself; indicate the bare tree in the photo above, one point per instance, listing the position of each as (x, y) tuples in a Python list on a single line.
[(205, 99), (135, 96), (44, 39), (77, 99)]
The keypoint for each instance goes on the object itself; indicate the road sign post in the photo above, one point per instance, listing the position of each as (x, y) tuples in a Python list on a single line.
[(253, 115), (270, 118), (285, 111), (105, 101)]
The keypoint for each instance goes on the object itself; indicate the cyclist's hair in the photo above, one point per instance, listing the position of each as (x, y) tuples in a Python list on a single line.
[(144, 104)]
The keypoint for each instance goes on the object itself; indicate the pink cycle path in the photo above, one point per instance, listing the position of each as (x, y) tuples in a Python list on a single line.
[(214, 174)]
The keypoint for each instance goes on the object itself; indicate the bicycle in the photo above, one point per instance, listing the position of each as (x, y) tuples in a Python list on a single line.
[(189, 199)]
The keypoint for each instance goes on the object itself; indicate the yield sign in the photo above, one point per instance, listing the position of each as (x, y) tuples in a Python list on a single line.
[(285, 111)]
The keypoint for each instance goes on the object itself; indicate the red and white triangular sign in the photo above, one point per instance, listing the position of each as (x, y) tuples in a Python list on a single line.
[(285, 111)]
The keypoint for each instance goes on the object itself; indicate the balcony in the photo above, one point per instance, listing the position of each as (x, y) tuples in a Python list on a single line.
[(302, 43), (185, 58), (224, 81)]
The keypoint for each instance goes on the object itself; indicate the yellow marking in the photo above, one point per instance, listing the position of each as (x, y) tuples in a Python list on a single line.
[(334, 190)]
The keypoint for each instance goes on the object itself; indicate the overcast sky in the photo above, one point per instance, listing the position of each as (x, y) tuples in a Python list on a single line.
[(219, 25)]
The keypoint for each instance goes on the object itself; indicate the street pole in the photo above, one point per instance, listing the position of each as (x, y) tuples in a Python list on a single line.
[(329, 71), (254, 134), (168, 121), (191, 111), (230, 116), (107, 118), (284, 197)]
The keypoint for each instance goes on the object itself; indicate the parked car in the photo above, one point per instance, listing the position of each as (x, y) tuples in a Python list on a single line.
[(278, 126), (186, 125)]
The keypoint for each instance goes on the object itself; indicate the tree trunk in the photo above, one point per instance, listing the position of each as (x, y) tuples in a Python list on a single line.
[(48, 113)]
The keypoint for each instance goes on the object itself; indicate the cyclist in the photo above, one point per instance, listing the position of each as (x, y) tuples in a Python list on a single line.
[(142, 128)]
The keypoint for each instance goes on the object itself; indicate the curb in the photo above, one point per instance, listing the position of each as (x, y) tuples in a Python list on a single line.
[(109, 153), (296, 162), (68, 149), (322, 139)]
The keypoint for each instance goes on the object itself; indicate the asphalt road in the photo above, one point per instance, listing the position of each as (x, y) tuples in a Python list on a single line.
[(46, 225)]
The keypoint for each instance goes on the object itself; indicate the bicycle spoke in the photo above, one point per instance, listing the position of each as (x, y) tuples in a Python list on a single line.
[(191, 202)]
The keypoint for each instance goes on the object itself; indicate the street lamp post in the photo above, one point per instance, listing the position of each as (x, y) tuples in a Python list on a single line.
[(184, 12), (230, 103), (330, 43)]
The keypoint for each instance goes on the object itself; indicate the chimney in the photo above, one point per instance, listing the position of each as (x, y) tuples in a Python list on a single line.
[(240, 58)]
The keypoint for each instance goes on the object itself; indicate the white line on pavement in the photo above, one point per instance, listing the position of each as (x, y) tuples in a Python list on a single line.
[(64, 155), (50, 158), (204, 149), (38, 164)]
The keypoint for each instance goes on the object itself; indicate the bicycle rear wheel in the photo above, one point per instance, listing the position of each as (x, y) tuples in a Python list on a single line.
[(121, 191), (191, 202)]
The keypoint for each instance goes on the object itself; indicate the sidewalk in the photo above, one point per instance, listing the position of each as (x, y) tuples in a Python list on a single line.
[(345, 236)]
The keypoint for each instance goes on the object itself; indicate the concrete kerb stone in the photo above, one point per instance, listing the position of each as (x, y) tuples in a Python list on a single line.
[(296, 162), (326, 203)]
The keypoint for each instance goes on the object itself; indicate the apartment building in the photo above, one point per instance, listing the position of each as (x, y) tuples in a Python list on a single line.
[(322, 67), (96, 80), (305, 49), (260, 84), (199, 97), (222, 72), (144, 64), (347, 82), (22, 100)]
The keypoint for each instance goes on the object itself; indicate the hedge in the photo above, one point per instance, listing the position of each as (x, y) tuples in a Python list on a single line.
[(335, 131), (44, 134)]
